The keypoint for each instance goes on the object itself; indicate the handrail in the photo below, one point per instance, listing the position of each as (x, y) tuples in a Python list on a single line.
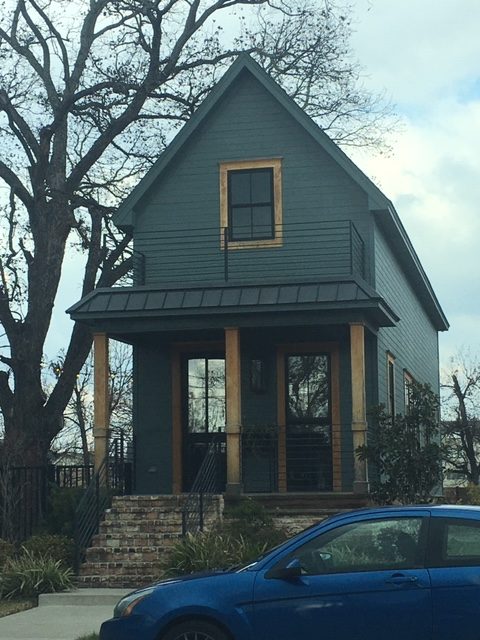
[(109, 479), (204, 487)]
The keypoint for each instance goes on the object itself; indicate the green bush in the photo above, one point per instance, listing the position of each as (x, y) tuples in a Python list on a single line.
[(247, 532), (7, 551), (57, 548), (29, 575), (404, 450), (471, 494), (63, 502)]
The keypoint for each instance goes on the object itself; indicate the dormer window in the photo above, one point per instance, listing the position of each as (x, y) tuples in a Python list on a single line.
[(251, 203)]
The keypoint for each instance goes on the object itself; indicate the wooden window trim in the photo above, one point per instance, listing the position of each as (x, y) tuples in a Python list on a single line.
[(391, 404), (263, 163)]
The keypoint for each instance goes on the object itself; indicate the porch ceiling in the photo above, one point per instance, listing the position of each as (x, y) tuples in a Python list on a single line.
[(212, 305)]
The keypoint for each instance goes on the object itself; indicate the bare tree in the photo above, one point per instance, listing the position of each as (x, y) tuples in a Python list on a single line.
[(84, 89), (461, 416), (76, 434)]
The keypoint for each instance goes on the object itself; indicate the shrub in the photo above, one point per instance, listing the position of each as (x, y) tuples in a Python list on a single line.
[(405, 451), (7, 551), (247, 532), (57, 548), (63, 502), (472, 494), (29, 575)]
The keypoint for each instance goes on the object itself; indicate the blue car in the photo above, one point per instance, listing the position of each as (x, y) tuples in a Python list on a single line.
[(398, 573)]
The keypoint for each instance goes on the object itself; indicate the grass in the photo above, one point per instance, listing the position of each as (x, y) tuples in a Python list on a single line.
[(92, 636), (8, 607)]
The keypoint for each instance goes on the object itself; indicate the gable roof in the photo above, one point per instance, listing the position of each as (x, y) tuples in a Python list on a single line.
[(379, 204), (124, 218)]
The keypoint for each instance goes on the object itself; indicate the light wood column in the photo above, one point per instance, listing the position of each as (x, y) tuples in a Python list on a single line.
[(101, 417), (234, 410), (359, 411)]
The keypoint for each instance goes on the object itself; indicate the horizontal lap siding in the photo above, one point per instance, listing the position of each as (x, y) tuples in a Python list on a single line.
[(414, 341), (177, 224)]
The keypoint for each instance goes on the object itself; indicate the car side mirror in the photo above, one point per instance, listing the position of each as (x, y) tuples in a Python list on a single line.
[(291, 571)]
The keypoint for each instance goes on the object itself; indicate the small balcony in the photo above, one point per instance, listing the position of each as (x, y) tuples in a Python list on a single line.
[(313, 250)]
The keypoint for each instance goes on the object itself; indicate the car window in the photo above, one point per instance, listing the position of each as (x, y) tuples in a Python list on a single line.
[(372, 545), (459, 542)]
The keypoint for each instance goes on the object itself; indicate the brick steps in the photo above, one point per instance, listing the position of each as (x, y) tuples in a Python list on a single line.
[(134, 540)]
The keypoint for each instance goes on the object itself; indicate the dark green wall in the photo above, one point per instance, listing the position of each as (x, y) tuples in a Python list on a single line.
[(152, 418), (177, 223), (414, 341)]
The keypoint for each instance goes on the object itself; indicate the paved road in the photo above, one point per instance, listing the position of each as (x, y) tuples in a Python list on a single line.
[(63, 616)]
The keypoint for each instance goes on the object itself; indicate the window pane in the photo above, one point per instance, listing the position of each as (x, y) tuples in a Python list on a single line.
[(463, 543), (262, 186), (308, 387), (367, 546), (241, 223), (239, 186), (262, 222), (196, 395), (216, 395)]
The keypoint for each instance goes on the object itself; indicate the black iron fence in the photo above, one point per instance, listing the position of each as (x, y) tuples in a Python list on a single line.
[(26, 491)]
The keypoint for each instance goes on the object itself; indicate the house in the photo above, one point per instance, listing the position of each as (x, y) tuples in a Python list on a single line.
[(277, 296)]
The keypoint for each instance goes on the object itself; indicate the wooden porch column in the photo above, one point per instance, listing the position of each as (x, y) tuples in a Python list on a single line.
[(234, 410), (101, 417), (359, 411)]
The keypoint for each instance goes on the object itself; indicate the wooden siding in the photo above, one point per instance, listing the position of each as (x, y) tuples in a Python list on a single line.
[(152, 418), (414, 341), (248, 124)]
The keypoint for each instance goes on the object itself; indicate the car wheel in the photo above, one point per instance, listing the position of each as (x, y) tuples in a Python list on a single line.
[(195, 630)]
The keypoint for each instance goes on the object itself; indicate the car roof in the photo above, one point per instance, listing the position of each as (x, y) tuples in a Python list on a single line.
[(381, 510)]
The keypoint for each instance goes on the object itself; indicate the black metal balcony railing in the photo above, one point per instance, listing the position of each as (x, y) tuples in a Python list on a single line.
[(314, 249)]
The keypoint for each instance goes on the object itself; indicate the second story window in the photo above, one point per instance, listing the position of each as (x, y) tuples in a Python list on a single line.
[(251, 203)]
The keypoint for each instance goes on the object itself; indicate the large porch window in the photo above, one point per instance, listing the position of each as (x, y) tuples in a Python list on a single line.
[(204, 414), (308, 428)]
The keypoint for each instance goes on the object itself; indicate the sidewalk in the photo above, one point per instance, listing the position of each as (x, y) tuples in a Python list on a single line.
[(62, 616)]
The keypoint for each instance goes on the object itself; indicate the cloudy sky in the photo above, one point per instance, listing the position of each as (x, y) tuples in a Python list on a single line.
[(425, 54)]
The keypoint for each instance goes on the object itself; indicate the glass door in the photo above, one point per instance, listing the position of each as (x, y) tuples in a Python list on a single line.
[(204, 414), (308, 428)]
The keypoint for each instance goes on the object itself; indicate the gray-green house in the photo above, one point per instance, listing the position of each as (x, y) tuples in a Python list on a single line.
[(277, 297)]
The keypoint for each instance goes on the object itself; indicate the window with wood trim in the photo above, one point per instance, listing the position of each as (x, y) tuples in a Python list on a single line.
[(251, 203), (391, 384)]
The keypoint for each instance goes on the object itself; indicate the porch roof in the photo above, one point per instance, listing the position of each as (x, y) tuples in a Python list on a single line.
[(172, 307)]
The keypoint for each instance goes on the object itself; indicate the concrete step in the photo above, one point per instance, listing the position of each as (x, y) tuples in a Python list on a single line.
[(82, 597), (140, 525)]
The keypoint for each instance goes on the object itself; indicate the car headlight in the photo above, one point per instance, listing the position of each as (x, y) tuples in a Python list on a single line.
[(126, 605)]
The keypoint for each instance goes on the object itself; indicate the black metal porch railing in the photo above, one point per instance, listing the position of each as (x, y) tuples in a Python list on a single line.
[(310, 249), (307, 458), (113, 477), (260, 459), (206, 484)]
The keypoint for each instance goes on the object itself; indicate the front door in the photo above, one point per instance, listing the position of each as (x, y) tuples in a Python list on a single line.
[(204, 414), (308, 422)]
